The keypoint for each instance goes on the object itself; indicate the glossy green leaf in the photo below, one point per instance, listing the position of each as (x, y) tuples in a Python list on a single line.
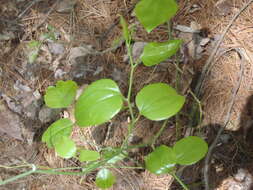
[(98, 103), (152, 13), (154, 53), (88, 155), (159, 101), (190, 150), (65, 147), (61, 127), (62, 95), (126, 33), (105, 178), (162, 160)]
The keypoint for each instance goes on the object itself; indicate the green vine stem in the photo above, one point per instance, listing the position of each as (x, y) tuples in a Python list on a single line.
[(128, 99), (158, 134), (4, 182), (35, 169), (180, 181)]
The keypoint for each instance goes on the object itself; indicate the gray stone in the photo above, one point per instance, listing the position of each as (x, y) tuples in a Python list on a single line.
[(78, 54), (47, 114), (56, 48)]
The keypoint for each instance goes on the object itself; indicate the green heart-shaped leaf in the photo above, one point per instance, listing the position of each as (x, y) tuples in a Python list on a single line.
[(152, 13), (154, 53), (100, 102), (159, 101), (190, 150), (62, 95), (88, 155), (61, 127), (162, 160), (105, 178), (65, 147)]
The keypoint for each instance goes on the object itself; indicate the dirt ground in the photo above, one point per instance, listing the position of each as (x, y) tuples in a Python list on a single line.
[(95, 24)]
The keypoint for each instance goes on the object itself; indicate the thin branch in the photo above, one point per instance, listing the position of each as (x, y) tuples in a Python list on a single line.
[(227, 119)]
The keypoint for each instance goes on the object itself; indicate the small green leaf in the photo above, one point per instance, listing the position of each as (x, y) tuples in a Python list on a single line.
[(190, 150), (154, 53), (105, 179), (152, 13), (50, 27), (126, 33), (88, 155), (62, 95), (162, 160), (48, 36), (32, 56), (117, 41), (100, 102), (65, 147), (34, 44), (61, 127), (159, 101)]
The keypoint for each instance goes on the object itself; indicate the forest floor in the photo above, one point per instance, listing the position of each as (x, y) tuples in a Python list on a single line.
[(94, 24)]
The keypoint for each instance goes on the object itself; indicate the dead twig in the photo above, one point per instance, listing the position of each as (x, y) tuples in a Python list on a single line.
[(227, 119)]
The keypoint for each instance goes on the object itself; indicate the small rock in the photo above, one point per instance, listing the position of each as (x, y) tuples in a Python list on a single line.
[(10, 123), (47, 114), (78, 53), (20, 87), (183, 28), (56, 48), (224, 7), (242, 180), (66, 6), (59, 73)]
